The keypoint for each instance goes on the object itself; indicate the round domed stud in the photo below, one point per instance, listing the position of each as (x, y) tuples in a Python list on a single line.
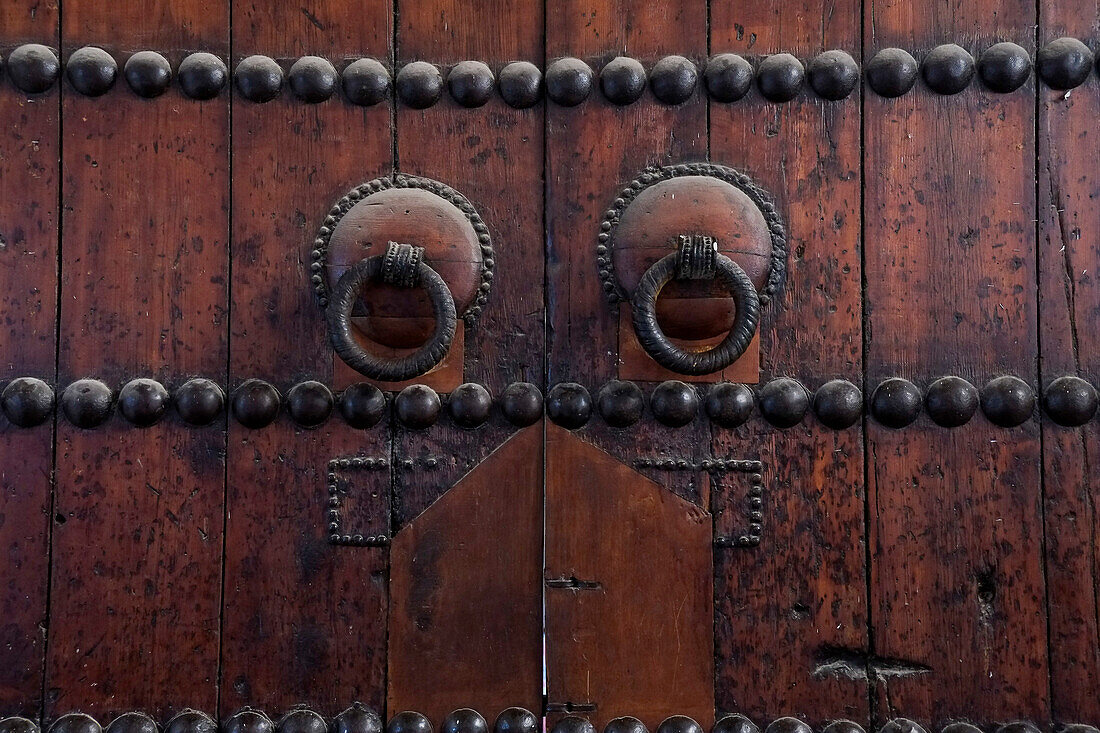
[(1004, 67), (362, 405), (469, 405), (1069, 401), (1064, 63), (625, 724), (464, 720), (620, 403), (366, 82), (520, 84), (357, 719), (256, 404), (573, 724), (948, 69), (258, 78), (729, 405), (1007, 401), (833, 75), (569, 81), (33, 68), (148, 73), (901, 725), (516, 720), (143, 402), (409, 722), (91, 71), (622, 80), (951, 401), (312, 79), (838, 404), (419, 85), (1018, 726), (191, 721), (134, 722), (783, 402), (788, 725), (728, 77), (302, 721), (470, 83), (86, 403), (734, 723), (896, 402), (843, 726), (780, 77), (309, 403), (674, 403), (521, 404), (76, 723), (960, 727), (248, 721), (891, 73), (199, 401), (679, 724), (417, 406), (1078, 728), (16, 724), (673, 79), (202, 76), (569, 405), (27, 401)]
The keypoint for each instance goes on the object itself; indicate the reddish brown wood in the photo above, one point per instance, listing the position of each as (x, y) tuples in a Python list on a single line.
[(465, 594), (137, 545), (787, 608), (28, 340), (304, 620), (629, 591), (956, 534), (1069, 293)]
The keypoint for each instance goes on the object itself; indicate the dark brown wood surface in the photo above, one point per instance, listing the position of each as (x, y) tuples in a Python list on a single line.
[(791, 614), (305, 621), (1069, 297), (28, 338), (137, 540), (957, 591)]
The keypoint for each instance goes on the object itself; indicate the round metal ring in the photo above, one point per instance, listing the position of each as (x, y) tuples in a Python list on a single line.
[(399, 369), (670, 356)]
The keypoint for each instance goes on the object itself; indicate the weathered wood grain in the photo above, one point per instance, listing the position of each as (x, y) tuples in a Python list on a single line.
[(304, 620), (137, 545), (956, 535), (789, 610), (1069, 299), (28, 340)]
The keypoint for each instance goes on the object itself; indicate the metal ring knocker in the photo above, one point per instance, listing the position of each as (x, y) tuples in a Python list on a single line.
[(698, 258), (402, 265)]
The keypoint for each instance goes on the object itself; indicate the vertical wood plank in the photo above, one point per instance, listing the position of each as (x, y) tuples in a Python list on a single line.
[(137, 540), (950, 270), (305, 621), (28, 340), (805, 585), (1069, 297)]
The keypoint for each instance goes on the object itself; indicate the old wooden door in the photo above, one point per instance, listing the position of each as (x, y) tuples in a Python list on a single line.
[(549, 364)]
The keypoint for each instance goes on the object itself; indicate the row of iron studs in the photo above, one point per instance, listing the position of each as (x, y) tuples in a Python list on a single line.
[(1064, 63), (360, 719), (1006, 401)]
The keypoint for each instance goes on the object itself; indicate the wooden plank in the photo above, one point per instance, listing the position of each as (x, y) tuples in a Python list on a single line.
[(1069, 296), (28, 340), (137, 540), (493, 155), (466, 618), (806, 152), (956, 536), (305, 620), (629, 591)]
